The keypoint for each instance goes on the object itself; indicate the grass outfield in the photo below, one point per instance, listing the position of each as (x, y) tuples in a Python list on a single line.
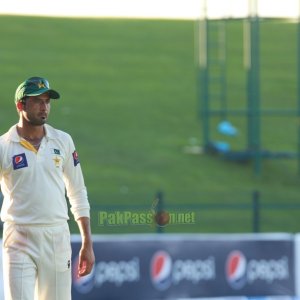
[(129, 100)]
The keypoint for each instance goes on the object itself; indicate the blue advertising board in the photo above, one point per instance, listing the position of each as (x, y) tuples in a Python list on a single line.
[(166, 266)]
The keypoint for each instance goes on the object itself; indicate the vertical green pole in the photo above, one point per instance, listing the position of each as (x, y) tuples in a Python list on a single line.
[(256, 211), (203, 85), (253, 66), (205, 99), (298, 79), (222, 58)]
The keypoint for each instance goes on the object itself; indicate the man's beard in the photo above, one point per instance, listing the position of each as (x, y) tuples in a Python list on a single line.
[(37, 122)]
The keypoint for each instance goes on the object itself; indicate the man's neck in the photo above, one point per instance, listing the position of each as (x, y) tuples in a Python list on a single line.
[(30, 132)]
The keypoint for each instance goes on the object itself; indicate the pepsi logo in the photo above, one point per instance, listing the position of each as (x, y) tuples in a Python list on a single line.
[(75, 158), (18, 159), (236, 269), (161, 270), (75, 155), (83, 284)]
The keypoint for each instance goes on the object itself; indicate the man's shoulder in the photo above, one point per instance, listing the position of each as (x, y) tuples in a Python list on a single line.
[(5, 136), (3, 139)]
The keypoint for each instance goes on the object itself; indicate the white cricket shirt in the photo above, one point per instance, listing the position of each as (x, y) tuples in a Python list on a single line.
[(34, 183)]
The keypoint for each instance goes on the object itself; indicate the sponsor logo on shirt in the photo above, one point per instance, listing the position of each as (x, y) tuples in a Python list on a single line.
[(75, 158), (19, 161)]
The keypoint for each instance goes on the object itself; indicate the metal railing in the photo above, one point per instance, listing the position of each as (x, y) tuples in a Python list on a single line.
[(252, 213)]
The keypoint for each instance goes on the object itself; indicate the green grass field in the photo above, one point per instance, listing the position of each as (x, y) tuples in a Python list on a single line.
[(129, 99)]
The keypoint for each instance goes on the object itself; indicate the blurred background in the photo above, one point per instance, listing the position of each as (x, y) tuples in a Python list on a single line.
[(147, 87), (131, 98)]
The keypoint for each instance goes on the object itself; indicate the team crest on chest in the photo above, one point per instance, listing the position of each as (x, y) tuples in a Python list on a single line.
[(19, 161), (57, 160), (56, 157)]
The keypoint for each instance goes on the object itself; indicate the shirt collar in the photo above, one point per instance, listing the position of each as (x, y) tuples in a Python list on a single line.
[(14, 136), (49, 132)]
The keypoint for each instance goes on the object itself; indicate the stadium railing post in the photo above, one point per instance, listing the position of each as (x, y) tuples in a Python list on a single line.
[(256, 211), (159, 209)]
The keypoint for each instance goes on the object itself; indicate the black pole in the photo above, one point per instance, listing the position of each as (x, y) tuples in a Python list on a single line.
[(158, 210), (256, 211)]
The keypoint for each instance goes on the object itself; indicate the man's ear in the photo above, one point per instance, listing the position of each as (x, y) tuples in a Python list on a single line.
[(20, 105)]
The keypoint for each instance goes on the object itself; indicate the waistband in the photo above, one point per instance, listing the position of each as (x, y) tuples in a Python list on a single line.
[(40, 225)]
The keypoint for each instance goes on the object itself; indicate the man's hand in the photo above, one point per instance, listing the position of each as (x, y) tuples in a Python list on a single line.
[(86, 253), (86, 260)]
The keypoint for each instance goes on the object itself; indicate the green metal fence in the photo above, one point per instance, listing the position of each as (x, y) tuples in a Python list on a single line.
[(240, 212), (215, 84)]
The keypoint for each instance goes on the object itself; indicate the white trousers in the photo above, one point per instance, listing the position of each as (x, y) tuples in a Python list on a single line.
[(37, 262)]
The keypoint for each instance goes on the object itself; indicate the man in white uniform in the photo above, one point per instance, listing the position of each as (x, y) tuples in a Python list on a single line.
[(39, 166)]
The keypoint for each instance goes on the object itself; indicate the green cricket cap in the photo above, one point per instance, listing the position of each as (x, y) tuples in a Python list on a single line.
[(35, 86)]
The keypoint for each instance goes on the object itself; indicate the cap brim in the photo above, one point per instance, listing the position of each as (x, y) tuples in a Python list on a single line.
[(53, 94)]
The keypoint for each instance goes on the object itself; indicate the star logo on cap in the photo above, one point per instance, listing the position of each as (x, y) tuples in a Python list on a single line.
[(41, 85)]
